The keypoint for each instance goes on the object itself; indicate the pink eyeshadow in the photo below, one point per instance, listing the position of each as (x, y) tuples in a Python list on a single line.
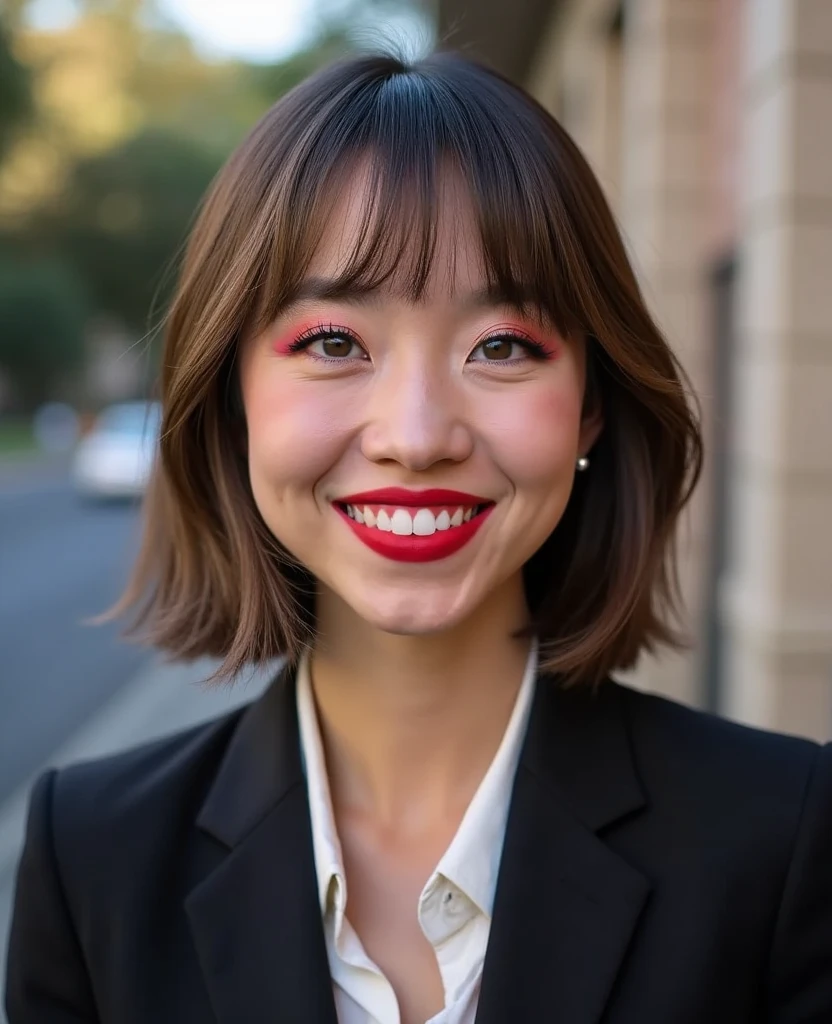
[(282, 345)]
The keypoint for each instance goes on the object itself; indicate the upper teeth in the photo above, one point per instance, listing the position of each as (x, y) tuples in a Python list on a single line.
[(404, 522)]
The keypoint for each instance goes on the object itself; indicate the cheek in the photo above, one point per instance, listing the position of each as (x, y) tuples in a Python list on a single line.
[(294, 431), (536, 438)]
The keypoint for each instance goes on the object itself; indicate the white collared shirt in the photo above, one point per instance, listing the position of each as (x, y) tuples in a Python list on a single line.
[(456, 904)]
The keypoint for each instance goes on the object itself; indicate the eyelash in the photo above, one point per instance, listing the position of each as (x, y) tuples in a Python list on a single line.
[(323, 332)]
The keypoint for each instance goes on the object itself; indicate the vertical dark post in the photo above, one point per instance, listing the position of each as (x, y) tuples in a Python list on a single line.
[(723, 287)]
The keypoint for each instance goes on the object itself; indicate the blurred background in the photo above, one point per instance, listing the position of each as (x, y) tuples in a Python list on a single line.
[(709, 123)]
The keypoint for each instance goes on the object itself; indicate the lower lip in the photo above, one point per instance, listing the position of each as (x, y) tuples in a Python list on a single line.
[(413, 548)]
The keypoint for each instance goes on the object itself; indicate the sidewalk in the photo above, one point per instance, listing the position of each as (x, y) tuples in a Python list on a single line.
[(160, 700)]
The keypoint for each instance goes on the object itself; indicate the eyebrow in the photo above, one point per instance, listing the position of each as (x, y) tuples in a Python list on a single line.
[(337, 290)]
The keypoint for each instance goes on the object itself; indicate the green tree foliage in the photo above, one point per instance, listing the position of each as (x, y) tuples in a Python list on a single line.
[(123, 219), (15, 91), (42, 317), (121, 216)]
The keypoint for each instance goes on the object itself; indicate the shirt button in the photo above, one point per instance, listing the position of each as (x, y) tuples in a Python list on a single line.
[(452, 903)]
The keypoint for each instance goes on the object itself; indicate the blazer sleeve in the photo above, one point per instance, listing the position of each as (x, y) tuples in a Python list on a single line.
[(800, 990), (47, 982)]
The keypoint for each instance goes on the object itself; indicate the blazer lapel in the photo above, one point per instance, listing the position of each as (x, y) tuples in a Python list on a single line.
[(566, 905), (256, 919)]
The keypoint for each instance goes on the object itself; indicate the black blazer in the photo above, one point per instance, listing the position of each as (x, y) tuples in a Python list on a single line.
[(660, 867)]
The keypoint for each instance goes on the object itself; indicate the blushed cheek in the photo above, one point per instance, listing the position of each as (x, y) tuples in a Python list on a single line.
[(293, 434), (536, 439)]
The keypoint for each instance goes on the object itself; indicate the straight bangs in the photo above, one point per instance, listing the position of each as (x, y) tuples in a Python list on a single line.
[(409, 138)]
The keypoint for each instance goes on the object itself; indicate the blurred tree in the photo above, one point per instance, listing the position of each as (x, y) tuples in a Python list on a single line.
[(123, 218), (105, 78), (131, 125), (16, 103), (42, 313), (13, 13)]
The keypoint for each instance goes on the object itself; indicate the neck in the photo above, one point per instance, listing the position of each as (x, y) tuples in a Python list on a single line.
[(411, 723)]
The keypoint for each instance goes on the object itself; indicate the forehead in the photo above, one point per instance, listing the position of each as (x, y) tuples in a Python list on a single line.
[(439, 239)]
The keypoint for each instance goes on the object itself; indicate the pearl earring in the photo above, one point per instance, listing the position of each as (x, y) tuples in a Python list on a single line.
[(582, 464)]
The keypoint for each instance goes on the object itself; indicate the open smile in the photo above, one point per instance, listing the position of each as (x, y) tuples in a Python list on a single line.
[(414, 526)]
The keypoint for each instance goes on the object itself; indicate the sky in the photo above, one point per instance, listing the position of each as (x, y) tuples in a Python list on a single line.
[(256, 30)]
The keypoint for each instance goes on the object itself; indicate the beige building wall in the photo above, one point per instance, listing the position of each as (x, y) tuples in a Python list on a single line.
[(668, 71), (577, 76), (638, 102), (726, 134), (709, 123), (777, 599)]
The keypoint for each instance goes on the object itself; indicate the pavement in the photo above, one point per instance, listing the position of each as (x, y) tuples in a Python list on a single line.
[(161, 699)]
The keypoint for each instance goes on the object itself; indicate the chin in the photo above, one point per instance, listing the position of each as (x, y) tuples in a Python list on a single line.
[(409, 624), (409, 616)]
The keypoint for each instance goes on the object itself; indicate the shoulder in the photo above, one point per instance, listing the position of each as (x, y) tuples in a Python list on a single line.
[(658, 720), (691, 755), (754, 808), (96, 811), (182, 760)]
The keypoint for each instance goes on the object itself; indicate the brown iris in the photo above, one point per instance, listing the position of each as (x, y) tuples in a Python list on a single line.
[(338, 346), (497, 348)]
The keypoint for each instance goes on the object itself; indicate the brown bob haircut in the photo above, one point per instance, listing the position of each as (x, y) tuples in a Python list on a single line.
[(211, 579)]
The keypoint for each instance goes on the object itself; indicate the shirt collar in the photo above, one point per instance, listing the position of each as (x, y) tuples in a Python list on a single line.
[(329, 861), (472, 860)]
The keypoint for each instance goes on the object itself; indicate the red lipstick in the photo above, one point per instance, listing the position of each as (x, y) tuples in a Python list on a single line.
[(414, 547)]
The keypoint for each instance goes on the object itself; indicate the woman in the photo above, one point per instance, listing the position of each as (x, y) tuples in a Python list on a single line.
[(423, 440)]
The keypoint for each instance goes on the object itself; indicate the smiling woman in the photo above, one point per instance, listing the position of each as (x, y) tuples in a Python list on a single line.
[(422, 440), (410, 224)]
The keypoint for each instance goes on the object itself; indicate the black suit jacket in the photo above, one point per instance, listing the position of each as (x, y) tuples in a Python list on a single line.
[(660, 867)]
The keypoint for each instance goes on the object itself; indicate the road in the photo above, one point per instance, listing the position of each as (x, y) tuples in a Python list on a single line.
[(71, 692), (61, 561)]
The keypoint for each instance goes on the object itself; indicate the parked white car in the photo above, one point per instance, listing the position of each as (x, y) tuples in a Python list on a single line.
[(115, 459)]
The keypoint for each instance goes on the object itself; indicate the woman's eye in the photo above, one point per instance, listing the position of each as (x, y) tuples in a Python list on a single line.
[(498, 350), (335, 348)]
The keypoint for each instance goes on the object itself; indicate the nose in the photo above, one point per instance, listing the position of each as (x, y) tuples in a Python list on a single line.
[(417, 419)]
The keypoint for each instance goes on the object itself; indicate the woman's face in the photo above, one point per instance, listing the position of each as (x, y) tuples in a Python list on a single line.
[(412, 456)]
